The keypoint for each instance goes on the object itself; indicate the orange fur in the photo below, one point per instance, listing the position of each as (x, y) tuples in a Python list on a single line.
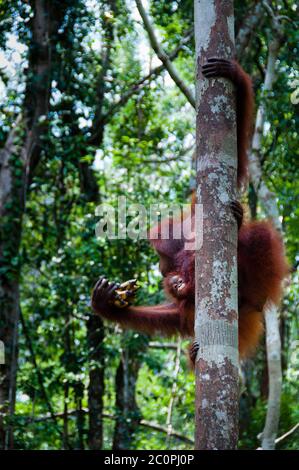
[(245, 103), (261, 269), (251, 328), (261, 260)]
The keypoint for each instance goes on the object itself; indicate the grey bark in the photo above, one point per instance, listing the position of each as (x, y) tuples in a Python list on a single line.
[(275, 377), (216, 301)]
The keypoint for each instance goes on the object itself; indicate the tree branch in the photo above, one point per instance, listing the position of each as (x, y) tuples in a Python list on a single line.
[(163, 56), (140, 84), (267, 198), (156, 345), (287, 434), (143, 422)]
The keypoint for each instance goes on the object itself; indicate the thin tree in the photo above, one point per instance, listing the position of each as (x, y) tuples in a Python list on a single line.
[(216, 317), (268, 201)]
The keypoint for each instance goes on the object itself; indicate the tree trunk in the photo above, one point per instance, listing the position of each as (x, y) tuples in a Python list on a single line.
[(90, 190), (127, 411), (265, 196), (275, 377), (163, 56), (268, 201), (19, 157), (11, 205), (216, 301), (80, 415), (95, 336)]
